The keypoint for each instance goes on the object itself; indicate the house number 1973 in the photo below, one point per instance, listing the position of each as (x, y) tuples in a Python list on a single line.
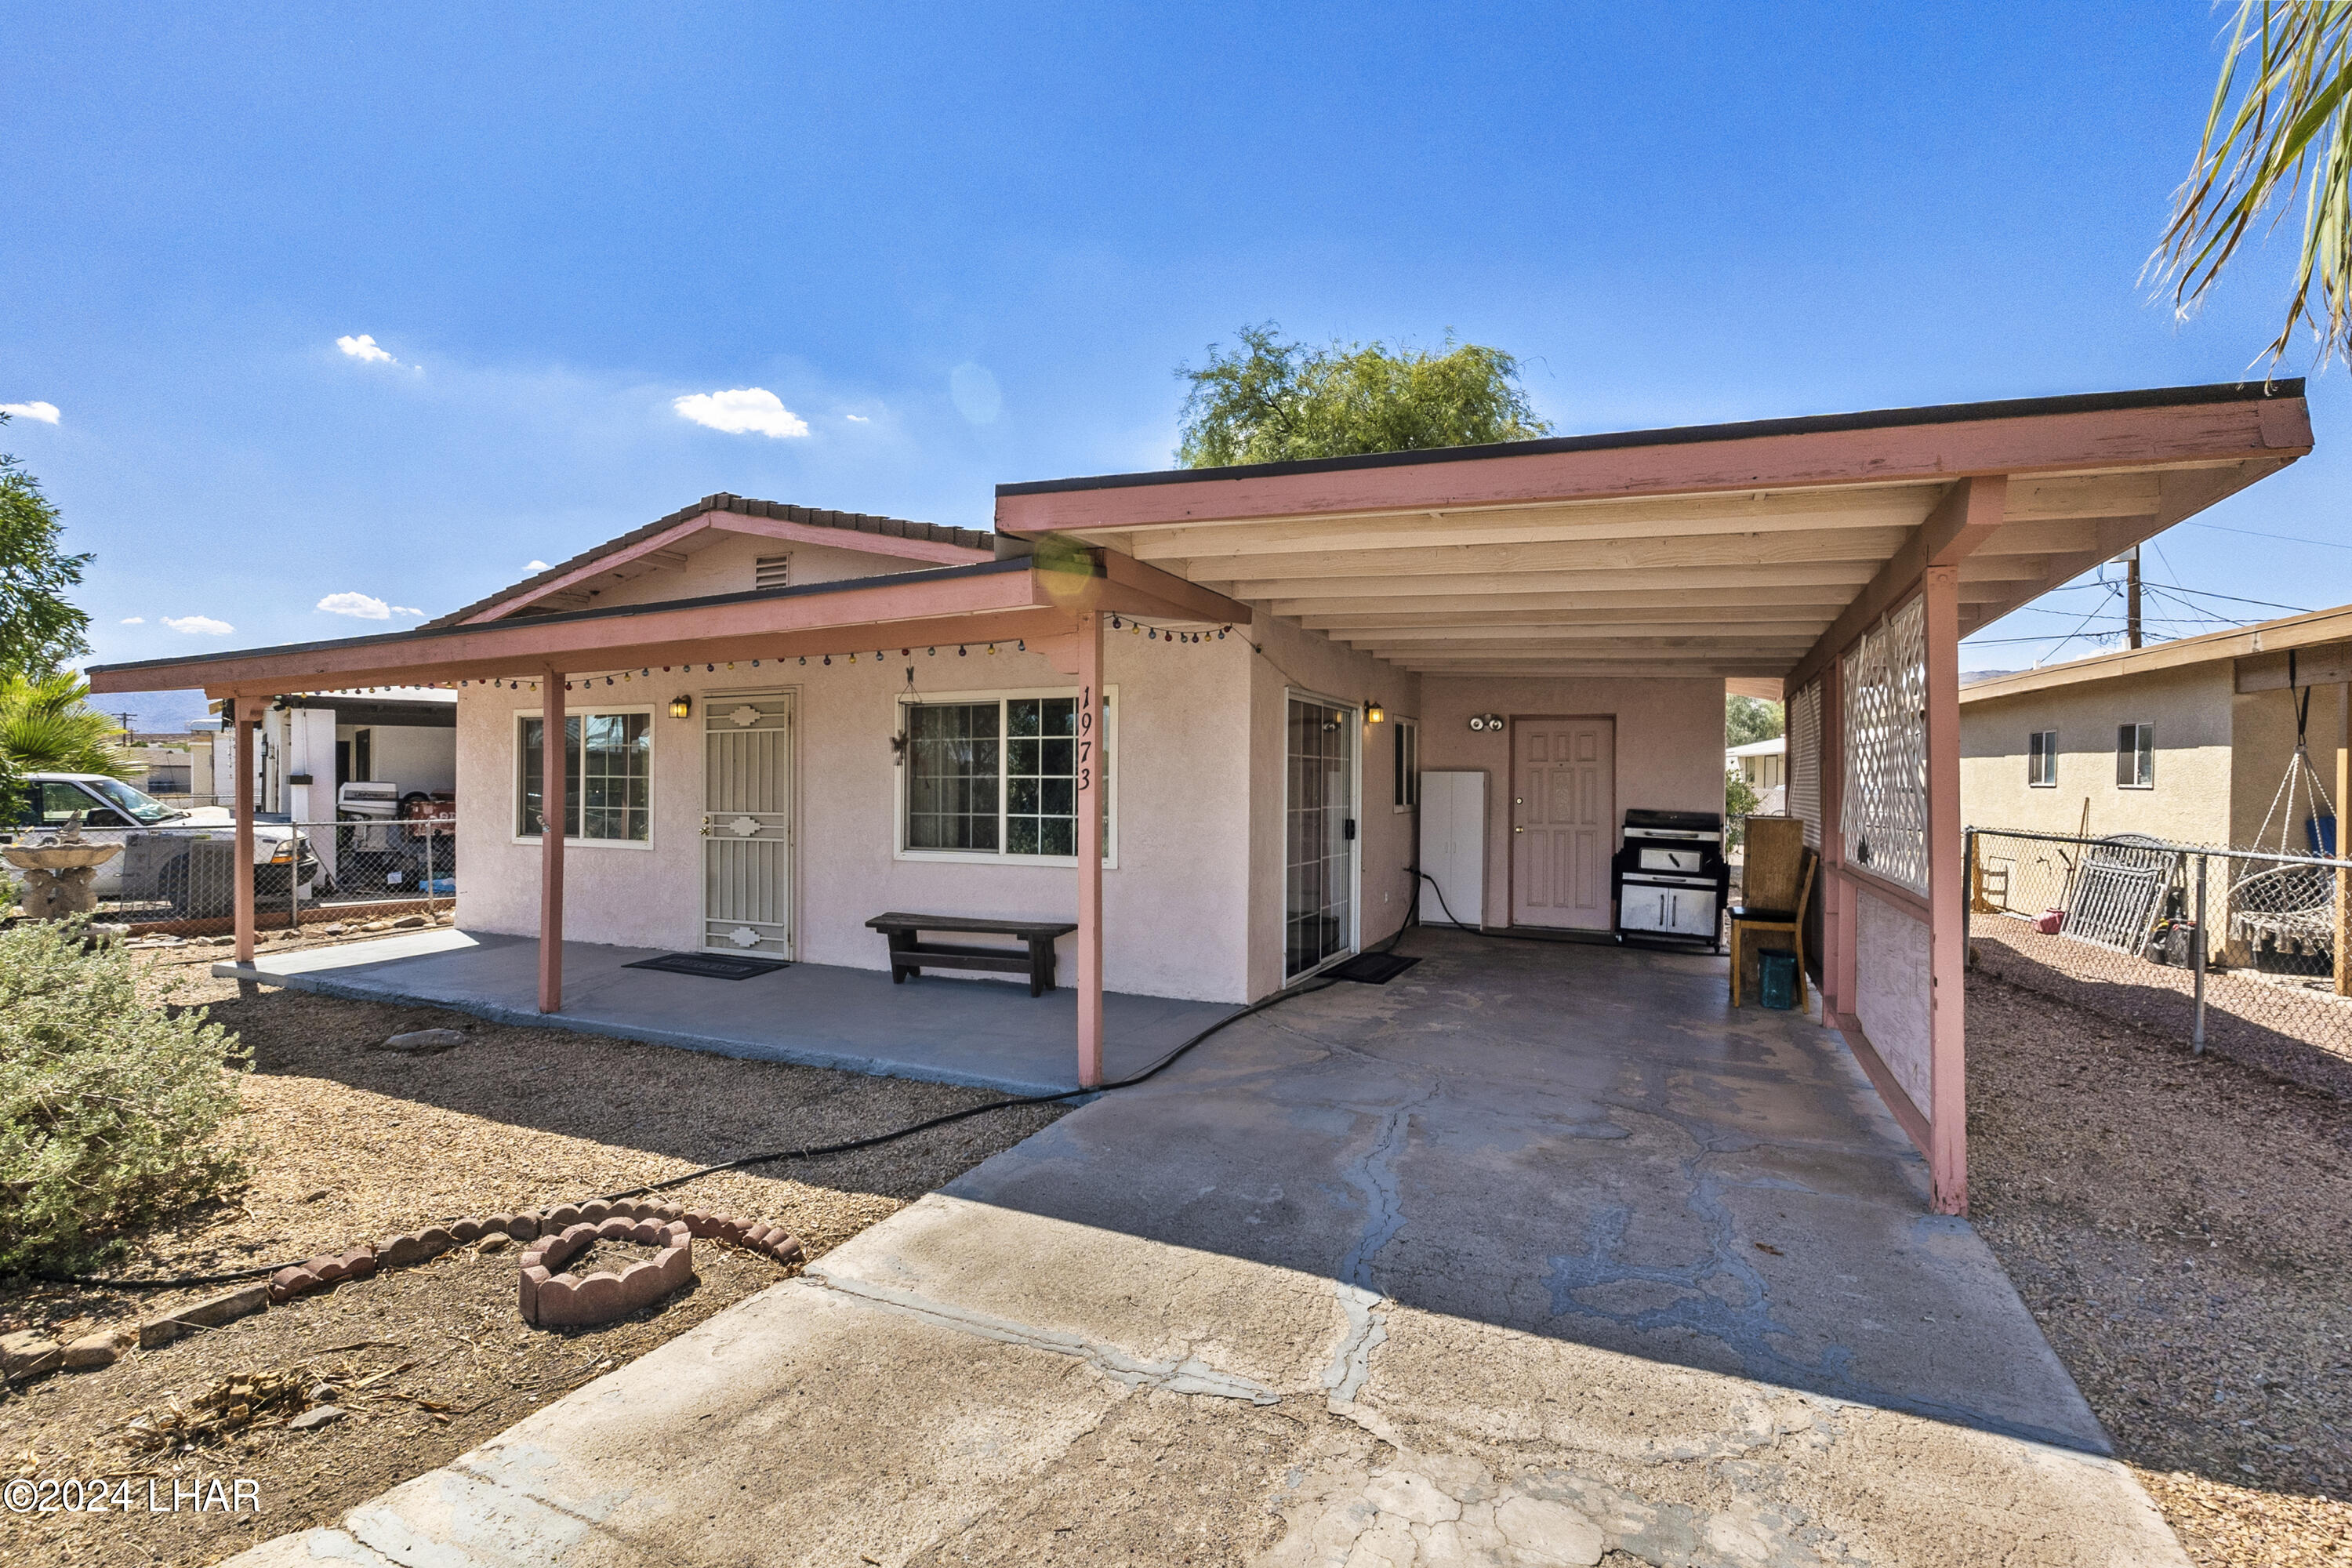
[(1085, 737)]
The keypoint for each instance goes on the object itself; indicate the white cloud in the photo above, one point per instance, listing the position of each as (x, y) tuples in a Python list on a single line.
[(364, 348), (746, 410), (365, 606), (536, 566), (855, 418), (46, 413), (134, 620), (407, 610), (198, 625)]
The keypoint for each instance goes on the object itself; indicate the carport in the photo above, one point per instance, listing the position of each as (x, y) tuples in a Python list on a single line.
[(1834, 561)]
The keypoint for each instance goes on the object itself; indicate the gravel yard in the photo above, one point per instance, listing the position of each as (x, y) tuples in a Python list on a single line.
[(359, 1143), (2183, 1229)]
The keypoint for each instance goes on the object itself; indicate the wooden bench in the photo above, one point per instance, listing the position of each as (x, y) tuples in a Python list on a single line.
[(909, 954)]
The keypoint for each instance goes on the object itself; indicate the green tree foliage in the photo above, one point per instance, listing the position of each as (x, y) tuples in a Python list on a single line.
[(39, 630), (1271, 401), (113, 1111), (1746, 720), (47, 725), (2281, 121)]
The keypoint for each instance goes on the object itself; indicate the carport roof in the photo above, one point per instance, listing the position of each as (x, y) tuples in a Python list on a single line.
[(1733, 551)]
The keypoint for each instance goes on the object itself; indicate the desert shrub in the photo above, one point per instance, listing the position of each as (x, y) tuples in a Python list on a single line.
[(113, 1111)]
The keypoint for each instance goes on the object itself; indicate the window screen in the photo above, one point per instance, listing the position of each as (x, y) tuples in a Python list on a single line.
[(607, 780), (1408, 764), (2042, 759), (953, 762), (2134, 756)]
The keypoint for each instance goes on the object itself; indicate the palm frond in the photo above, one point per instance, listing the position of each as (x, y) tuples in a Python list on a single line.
[(48, 726), (2281, 121)]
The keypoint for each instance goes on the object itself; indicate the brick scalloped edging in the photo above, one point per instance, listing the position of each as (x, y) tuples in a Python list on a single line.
[(552, 1299)]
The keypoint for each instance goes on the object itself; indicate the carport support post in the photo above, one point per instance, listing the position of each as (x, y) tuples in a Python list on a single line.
[(245, 715), (2343, 824), (1948, 901), (1090, 827), (555, 754)]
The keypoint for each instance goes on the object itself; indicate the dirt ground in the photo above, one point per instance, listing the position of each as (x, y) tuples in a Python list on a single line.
[(358, 1143), (2182, 1226)]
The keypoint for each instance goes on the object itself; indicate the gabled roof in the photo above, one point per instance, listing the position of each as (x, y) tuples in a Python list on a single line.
[(854, 522)]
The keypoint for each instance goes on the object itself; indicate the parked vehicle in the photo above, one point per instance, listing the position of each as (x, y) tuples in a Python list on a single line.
[(169, 852), (398, 838)]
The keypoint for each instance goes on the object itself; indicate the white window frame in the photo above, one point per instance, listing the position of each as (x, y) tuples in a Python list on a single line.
[(1411, 780), (2042, 759), (1001, 696), (514, 776), (2143, 745)]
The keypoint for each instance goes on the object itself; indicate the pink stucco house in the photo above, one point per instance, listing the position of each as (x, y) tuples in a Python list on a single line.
[(1187, 711)]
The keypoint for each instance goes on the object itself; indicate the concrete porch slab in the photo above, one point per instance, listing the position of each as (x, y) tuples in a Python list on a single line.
[(986, 1033)]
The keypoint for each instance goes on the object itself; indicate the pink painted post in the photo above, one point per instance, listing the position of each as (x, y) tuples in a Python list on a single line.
[(555, 755), (1839, 935), (1090, 824), (246, 716), (1948, 901)]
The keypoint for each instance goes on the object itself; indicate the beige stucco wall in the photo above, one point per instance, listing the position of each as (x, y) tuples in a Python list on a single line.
[(1180, 776), (2191, 800), (2262, 727), (1312, 664), (727, 565), (1669, 746)]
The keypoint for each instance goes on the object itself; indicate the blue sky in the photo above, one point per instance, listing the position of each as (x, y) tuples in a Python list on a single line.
[(970, 244)]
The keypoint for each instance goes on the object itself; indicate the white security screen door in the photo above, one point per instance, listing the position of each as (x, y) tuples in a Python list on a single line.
[(747, 822), (1319, 836)]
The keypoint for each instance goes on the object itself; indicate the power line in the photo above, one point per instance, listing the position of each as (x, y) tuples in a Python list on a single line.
[(2284, 538)]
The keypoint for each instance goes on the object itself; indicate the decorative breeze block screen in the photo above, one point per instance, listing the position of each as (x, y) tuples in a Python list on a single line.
[(1805, 761), (1884, 811)]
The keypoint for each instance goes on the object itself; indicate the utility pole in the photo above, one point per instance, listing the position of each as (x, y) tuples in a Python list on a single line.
[(2131, 596)]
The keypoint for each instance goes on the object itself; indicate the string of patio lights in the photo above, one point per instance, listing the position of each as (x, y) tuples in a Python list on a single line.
[(1150, 631)]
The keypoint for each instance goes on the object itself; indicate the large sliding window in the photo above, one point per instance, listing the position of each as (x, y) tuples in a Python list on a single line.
[(607, 776), (996, 777)]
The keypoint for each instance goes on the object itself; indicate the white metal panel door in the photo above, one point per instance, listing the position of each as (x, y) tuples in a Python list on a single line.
[(747, 822)]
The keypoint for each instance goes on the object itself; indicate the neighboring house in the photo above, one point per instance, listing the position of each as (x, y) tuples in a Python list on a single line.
[(172, 764), (2187, 739), (309, 746), (1764, 764), (1190, 711)]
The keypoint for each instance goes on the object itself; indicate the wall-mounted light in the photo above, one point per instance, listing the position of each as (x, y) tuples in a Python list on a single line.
[(1483, 721), (1375, 714), (681, 707)]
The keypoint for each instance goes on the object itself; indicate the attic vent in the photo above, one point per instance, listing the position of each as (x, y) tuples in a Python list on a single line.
[(773, 571)]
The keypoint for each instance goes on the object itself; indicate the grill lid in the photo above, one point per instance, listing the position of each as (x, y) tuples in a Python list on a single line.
[(1638, 821)]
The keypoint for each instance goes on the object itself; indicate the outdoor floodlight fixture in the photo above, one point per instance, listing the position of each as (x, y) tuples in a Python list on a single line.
[(680, 706), (1485, 722)]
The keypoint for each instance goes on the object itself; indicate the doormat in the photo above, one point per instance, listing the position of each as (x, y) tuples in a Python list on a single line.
[(1373, 968), (710, 965)]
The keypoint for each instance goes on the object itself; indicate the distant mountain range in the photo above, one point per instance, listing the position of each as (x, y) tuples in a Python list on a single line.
[(157, 712), (1971, 676)]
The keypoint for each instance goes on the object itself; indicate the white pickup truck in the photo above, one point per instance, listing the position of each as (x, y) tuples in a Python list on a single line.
[(166, 857)]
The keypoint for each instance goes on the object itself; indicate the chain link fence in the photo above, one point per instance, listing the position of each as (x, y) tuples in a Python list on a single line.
[(2235, 948), (174, 881)]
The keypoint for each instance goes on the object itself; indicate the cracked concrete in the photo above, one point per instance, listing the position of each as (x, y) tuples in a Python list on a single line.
[(1536, 1255)]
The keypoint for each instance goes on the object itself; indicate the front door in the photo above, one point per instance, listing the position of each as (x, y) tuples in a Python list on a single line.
[(1319, 836), (1563, 821), (747, 822)]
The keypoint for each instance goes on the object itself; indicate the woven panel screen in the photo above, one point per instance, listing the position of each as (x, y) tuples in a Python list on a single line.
[(1883, 812), (1805, 761)]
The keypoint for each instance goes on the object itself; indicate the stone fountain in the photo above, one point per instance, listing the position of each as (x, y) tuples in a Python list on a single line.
[(60, 872)]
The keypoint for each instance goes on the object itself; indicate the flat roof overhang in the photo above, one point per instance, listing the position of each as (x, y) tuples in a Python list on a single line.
[(1747, 552), (999, 600)]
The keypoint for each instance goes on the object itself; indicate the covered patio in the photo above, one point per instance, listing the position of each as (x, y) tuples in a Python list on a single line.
[(986, 1034)]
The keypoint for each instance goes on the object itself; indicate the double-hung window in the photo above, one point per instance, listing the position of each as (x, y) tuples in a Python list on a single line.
[(2134, 756), (2042, 759), (996, 777), (607, 775)]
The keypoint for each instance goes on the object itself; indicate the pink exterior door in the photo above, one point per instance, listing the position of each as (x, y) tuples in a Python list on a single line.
[(1563, 821)]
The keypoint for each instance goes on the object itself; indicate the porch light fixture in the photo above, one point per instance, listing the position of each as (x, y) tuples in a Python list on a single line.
[(1375, 714), (681, 707)]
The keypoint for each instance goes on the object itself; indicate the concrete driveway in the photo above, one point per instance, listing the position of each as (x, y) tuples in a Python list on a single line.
[(1536, 1254)]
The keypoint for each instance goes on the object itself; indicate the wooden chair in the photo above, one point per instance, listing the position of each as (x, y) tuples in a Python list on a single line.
[(1775, 889)]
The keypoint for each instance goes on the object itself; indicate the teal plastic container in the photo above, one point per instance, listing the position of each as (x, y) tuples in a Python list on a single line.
[(1776, 978)]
